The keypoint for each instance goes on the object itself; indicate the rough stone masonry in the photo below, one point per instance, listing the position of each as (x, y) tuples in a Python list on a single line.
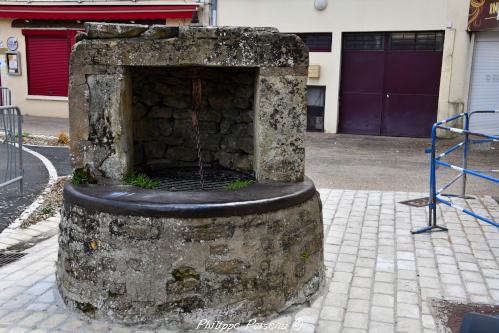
[(143, 256), (104, 65), (162, 132)]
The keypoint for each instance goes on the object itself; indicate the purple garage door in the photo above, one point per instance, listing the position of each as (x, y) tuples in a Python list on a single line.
[(390, 83)]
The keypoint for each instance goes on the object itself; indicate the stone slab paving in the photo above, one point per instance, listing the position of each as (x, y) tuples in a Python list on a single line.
[(380, 278), (15, 235)]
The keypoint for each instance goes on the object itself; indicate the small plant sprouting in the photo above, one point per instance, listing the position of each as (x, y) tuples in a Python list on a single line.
[(47, 210), (141, 180), (24, 134), (82, 177), (63, 138), (239, 184), (304, 256)]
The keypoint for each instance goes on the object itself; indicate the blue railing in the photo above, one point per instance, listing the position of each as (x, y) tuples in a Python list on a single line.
[(436, 160)]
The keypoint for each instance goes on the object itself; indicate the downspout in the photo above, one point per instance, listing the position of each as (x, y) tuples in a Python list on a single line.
[(214, 7)]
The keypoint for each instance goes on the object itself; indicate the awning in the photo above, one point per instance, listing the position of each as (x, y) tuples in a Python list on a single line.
[(100, 12)]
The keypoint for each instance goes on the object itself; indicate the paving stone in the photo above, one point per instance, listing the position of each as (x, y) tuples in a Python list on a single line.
[(72, 325), (39, 288), (377, 327), (407, 297), (382, 314), (451, 278), (355, 320), (53, 321), (476, 288), (360, 293), (383, 288), (408, 310), (406, 275), (385, 277), (363, 282), (407, 325), (326, 326), (336, 299), (332, 313), (358, 305), (407, 285), (12, 317), (468, 266), (308, 315), (382, 300), (31, 320), (353, 330)]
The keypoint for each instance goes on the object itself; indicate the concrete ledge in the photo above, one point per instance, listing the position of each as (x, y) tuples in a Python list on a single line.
[(47, 98)]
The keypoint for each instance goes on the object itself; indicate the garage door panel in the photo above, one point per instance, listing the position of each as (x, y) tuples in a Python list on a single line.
[(365, 72), (405, 67), (409, 115), (361, 113), (413, 72)]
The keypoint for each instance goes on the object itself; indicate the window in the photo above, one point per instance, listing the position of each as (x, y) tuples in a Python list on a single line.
[(47, 54), (369, 41), (317, 42), (316, 98), (427, 41)]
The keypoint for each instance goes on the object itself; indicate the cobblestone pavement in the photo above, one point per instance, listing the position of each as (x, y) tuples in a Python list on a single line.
[(380, 278)]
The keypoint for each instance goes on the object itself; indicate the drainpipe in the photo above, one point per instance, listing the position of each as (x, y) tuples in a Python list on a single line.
[(213, 17)]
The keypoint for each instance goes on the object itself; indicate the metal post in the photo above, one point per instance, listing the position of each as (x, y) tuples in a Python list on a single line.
[(11, 119), (465, 151), (20, 143), (432, 212)]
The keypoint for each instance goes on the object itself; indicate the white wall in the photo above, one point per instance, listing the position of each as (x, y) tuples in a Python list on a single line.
[(365, 15)]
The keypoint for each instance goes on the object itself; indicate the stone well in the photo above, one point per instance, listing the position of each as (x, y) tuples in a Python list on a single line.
[(156, 99)]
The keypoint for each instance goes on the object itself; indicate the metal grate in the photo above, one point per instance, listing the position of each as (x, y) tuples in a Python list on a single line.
[(187, 179), (9, 257), (420, 202)]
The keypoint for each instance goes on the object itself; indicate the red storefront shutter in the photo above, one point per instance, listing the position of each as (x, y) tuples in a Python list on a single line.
[(47, 53)]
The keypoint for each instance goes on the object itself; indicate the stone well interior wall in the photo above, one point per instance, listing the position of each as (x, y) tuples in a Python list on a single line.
[(163, 135)]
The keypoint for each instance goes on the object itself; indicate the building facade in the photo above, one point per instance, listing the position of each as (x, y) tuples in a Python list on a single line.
[(387, 67), (36, 39)]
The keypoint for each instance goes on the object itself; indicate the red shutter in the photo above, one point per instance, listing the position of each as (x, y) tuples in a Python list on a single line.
[(47, 53)]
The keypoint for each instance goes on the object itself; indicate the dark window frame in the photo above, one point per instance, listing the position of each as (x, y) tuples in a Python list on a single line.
[(317, 109), (416, 43), (358, 41), (307, 38)]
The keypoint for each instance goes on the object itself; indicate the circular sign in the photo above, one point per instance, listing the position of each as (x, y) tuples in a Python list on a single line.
[(12, 43)]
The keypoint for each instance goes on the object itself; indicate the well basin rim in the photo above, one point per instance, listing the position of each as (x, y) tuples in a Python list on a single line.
[(257, 198)]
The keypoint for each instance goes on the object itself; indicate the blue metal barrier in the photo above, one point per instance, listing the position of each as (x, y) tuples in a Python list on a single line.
[(436, 160)]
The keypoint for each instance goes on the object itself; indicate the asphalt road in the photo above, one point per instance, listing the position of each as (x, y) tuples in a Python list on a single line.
[(45, 125), (387, 164), (12, 203), (59, 156)]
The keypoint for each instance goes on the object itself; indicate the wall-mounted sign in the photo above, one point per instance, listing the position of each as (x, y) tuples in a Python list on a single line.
[(483, 15), (13, 61), (314, 71), (12, 43)]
